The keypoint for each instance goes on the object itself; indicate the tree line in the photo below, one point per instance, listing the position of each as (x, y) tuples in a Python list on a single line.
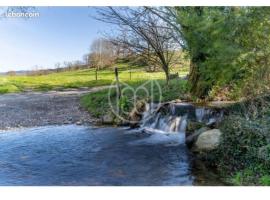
[(228, 47)]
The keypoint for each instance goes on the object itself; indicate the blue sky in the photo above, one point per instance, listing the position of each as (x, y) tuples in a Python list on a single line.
[(59, 34)]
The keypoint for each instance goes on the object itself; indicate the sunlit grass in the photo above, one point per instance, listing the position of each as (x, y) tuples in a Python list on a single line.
[(97, 103), (76, 79)]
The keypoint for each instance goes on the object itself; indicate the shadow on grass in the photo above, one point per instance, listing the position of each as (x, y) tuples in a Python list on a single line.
[(93, 83), (3, 90), (44, 87)]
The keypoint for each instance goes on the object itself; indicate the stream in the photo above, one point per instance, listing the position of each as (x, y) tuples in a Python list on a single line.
[(153, 154), (77, 155), (83, 155)]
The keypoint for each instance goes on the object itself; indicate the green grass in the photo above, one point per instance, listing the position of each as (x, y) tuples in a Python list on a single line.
[(265, 180), (76, 79), (256, 174), (98, 104)]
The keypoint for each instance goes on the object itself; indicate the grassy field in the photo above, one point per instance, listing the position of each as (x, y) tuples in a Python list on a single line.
[(76, 79), (98, 104)]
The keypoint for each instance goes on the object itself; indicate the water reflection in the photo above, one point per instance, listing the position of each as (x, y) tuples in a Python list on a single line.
[(77, 155)]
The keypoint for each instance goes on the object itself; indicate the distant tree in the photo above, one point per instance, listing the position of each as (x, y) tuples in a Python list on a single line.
[(102, 53), (57, 66), (11, 73), (86, 60)]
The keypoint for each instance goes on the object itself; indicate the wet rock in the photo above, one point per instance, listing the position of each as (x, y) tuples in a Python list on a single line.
[(192, 126), (208, 140), (120, 122), (78, 123), (191, 139), (136, 114), (212, 123), (177, 109)]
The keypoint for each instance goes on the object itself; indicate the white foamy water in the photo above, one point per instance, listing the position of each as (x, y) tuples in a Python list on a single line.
[(163, 129), (159, 137)]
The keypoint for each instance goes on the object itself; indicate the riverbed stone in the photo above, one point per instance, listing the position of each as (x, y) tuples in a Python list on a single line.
[(208, 140), (136, 114), (191, 139)]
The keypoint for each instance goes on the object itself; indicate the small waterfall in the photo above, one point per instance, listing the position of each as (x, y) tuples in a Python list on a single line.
[(172, 118), (165, 119), (200, 112), (208, 116)]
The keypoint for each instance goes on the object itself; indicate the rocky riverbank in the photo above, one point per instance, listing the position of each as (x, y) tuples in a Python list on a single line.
[(231, 138), (44, 108)]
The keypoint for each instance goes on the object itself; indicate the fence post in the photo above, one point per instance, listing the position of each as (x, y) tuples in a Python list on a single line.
[(117, 82), (129, 73)]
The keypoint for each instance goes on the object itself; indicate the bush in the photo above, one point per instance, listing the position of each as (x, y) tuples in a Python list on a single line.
[(241, 141), (244, 151)]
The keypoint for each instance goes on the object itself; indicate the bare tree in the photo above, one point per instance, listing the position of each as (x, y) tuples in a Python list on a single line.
[(102, 53), (143, 32), (57, 66), (11, 73)]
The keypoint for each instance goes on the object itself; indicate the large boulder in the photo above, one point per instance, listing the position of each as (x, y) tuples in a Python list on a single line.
[(192, 138), (208, 140)]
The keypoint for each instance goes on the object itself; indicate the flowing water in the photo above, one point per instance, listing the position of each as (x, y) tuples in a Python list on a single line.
[(78, 155)]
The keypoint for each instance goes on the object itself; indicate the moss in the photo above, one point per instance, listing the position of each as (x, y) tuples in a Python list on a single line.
[(192, 126)]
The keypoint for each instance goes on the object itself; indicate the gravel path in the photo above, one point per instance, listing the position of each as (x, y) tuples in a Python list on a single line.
[(43, 108)]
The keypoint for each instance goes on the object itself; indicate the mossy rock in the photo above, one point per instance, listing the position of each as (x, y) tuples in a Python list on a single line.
[(192, 126), (191, 139), (136, 114)]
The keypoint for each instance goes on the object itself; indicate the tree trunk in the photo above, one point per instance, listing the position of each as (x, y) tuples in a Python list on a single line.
[(198, 86), (167, 74), (166, 69), (193, 77)]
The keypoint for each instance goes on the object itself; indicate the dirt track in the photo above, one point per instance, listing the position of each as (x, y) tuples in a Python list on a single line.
[(43, 108)]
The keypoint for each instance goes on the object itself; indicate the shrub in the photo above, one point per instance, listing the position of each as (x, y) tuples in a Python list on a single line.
[(244, 152)]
